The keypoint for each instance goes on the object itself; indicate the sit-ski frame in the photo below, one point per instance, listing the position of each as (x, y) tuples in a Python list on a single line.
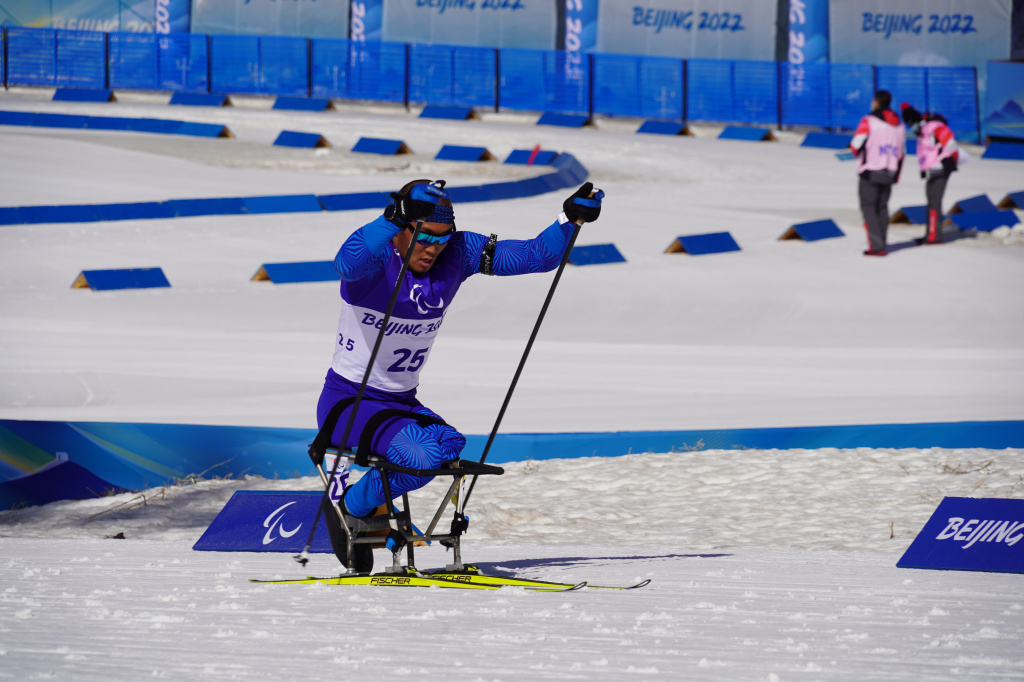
[(401, 530)]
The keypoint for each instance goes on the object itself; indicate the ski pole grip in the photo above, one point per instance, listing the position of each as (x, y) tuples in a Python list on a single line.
[(593, 193)]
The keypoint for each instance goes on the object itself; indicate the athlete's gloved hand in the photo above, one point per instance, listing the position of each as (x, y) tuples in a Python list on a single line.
[(581, 207), (416, 204)]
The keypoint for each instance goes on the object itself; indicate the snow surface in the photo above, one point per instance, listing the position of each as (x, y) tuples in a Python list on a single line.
[(766, 565)]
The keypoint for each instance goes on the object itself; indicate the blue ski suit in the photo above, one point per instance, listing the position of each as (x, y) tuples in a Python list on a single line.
[(368, 264)]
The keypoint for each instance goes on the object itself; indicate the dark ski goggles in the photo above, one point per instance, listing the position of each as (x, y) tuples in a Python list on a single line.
[(429, 239)]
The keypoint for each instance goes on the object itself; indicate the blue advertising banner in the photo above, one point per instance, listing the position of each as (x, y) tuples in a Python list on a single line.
[(1003, 111), (526, 24), (266, 521), (366, 20), (298, 18), (580, 26), (684, 29), (920, 32), (808, 32), (140, 16), (968, 534)]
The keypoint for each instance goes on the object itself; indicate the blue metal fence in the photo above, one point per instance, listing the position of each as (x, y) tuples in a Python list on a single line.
[(831, 96)]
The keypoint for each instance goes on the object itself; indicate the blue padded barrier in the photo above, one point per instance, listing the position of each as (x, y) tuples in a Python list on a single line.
[(826, 140), (83, 95), (31, 56), (551, 118), (448, 112), (302, 103), (374, 145), (81, 59), (292, 273), (914, 215), (16, 118), (354, 202), (973, 204), (292, 138), (522, 157), (984, 221), (293, 203), (746, 134), (451, 152), (595, 254), (184, 208), (183, 62), (152, 125), (203, 130), (805, 95), (703, 244), (851, 87), (199, 99), (664, 128), (1007, 151), (813, 231), (133, 63), (953, 92), (563, 84), (131, 278), (452, 75), (10, 215), (45, 120), (32, 215), (626, 85), (284, 65), (356, 70), (146, 210), (1011, 200), (108, 123), (234, 63)]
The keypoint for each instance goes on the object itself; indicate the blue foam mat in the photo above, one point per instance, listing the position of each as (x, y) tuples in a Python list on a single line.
[(452, 152), (82, 95), (827, 140), (814, 231), (704, 244), (563, 120), (455, 113), (1006, 151), (746, 134), (292, 138), (595, 254), (291, 273), (129, 278), (302, 103)]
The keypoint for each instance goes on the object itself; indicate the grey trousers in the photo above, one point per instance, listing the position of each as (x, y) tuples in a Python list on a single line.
[(934, 188), (874, 205)]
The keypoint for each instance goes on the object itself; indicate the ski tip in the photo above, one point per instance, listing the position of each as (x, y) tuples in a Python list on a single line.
[(642, 583)]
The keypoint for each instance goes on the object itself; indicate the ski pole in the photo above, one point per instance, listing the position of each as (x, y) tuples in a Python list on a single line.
[(303, 556), (526, 353)]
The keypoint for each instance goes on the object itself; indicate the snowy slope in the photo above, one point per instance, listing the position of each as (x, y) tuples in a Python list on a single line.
[(766, 565)]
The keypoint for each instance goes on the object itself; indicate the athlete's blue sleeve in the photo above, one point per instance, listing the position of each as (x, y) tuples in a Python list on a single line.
[(363, 253), (543, 253)]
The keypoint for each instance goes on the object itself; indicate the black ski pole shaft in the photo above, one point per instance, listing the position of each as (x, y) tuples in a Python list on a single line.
[(526, 354), (302, 557)]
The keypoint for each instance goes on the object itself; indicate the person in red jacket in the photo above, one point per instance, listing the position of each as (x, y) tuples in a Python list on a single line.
[(937, 157), (878, 143)]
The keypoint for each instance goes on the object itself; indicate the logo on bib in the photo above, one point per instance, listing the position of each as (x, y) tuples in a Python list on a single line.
[(416, 296)]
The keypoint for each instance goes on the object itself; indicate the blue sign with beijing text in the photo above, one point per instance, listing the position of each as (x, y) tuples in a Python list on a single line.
[(968, 534)]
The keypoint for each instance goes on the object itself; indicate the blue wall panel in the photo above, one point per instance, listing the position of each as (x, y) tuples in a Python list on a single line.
[(805, 94), (617, 85), (284, 65), (952, 92), (906, 83), (517, 82), (234, 64), (566, 82), (133, 61), (755, 92), (431, 77), (31, 56), (709, 90), (661, 88), (476, 76), (852, 87), (183, 62), (349, 70), (81, 59)]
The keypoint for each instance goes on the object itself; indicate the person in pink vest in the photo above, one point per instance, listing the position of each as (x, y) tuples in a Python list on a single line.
[(878, 143), (937, 157)]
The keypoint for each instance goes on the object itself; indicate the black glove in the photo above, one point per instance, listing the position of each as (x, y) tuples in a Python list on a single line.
[(583, 207), (949, 164), (416, 204)]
